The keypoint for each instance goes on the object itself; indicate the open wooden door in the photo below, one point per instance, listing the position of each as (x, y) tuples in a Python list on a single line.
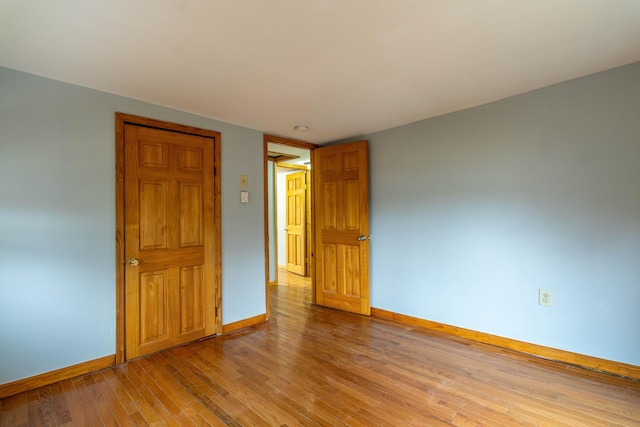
[(341, 199), (296, 223), (170, 238)]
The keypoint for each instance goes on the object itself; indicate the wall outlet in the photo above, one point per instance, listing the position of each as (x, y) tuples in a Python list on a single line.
[(544, 297)]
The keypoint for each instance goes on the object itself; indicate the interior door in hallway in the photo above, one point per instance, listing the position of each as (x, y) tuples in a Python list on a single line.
[(169, 238), (341, 200), (296, 223)]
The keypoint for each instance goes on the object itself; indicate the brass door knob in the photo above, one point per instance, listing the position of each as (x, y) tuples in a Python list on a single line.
[(133, 262)]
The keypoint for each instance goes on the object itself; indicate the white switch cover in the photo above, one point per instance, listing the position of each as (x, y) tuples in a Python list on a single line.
[(244, 197)]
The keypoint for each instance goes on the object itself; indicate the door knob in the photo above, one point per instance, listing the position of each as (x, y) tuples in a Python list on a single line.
[(362, 238), (134, 262)]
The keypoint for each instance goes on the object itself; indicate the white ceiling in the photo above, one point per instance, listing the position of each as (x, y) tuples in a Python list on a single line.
[(341, 67)]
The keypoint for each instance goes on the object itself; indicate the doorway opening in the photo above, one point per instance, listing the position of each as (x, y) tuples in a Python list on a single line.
[(288, 213)]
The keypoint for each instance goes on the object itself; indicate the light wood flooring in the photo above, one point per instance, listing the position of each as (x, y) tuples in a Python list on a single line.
[(310, 366), (291, 279)]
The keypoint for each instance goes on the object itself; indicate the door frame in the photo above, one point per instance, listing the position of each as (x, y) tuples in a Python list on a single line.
[(292, 143), (121, 119)]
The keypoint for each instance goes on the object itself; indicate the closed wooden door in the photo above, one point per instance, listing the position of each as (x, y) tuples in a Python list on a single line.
[(341, 199), (296, 249), (169, 238)]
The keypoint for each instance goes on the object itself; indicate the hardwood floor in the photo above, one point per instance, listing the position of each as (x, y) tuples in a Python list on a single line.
[(310, 366), (291, 279)]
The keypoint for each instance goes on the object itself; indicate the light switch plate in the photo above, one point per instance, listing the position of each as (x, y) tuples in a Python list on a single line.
[(244, 181), (244, 197)]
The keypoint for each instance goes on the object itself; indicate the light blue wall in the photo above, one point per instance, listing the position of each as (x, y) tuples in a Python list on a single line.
[(473, 212), (57, 221)]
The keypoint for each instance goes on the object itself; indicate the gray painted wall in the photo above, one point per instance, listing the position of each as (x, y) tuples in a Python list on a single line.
[(57, 221), (473, 212)]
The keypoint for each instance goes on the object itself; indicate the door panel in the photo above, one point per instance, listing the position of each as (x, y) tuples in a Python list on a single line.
[(296, 223), (342, 217), (153, 306), (169, 211), (191, 298), (191, 210)]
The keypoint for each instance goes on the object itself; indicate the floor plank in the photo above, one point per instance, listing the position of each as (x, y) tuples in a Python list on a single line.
[(311, 366)]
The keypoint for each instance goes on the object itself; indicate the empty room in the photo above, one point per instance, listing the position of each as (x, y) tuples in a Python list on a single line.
[(457, 241)]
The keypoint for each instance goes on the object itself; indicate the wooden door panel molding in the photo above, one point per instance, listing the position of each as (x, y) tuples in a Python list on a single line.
[(153, 155), (155, 258), (351, 212), (153, 302), (191, 204), (328, 201), (192, 298), (153, 215), (341, 218), (168, 220), (191, 159)]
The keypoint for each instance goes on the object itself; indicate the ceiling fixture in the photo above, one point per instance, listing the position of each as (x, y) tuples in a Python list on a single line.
[(301, 128)]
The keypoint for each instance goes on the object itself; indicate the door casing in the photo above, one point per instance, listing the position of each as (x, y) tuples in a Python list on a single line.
[(366, 308), (121, 119), (293, 143)]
